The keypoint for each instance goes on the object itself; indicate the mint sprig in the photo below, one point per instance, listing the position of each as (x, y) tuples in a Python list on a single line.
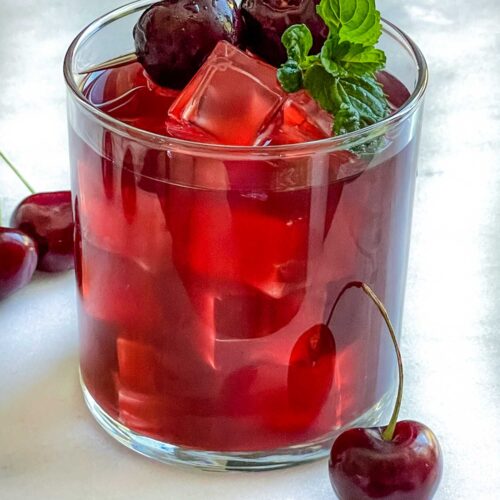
[(342, 76)]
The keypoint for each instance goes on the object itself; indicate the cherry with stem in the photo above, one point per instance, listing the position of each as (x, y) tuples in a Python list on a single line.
[(401, 460), (48, 219)]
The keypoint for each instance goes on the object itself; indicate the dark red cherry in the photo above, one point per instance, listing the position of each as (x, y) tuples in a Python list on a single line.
[(266, 20), (364, 465), (310, 376), (18, 260), (174, 37), (48, 219), (311, 369), (401, 461)]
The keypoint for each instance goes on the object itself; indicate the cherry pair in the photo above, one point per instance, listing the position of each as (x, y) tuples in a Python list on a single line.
[(41, 237)]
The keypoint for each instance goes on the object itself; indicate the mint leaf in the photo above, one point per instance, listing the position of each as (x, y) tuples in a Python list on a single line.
[(290, 76), (342, 58), (321, 85), (355, 101), (355, 21), (329, 11), (362, 103), (342, 76), (363, 60), (346, 119), (298, 41), (331, 56), (364, 26)]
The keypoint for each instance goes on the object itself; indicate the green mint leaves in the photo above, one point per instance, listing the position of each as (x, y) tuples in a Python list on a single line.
[(342, 76), (298, 42), (355, 21)]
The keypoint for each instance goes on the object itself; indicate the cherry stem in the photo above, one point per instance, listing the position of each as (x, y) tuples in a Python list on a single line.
[(18, 174), (388, 433)]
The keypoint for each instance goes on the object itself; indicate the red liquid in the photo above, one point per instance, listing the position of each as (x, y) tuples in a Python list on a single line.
[(200, 295)]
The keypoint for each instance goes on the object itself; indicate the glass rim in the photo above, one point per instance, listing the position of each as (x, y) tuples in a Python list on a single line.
[(349, 139)]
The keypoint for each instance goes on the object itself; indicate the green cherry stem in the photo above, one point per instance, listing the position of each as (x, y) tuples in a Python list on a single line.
[(388, 433), (18, 174)]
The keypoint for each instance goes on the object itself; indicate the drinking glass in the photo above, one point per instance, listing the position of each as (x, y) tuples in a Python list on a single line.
[(208, 274)]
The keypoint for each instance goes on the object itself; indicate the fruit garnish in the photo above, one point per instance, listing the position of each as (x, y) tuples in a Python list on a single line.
[(341, 77), (402, 460), (174, 37), (266, 21)]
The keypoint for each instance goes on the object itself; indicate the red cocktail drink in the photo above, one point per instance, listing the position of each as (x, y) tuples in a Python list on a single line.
[(207, 268)]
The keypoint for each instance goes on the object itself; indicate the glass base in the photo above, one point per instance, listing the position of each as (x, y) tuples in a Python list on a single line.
[(224, 461)]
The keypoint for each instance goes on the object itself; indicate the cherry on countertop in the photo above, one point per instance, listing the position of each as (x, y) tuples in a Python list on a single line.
[(48, 219), (18, 258), (364, 465), (401, 461)]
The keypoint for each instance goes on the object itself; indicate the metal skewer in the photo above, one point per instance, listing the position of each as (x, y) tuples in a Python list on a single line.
[(111, 63)]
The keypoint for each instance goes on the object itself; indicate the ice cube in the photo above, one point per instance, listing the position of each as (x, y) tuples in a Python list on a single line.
[(300, 119), (141, 412), (252, 314), (239, 257), (230, 100), (119, 218), (160, 386), (98, 358), (222, 240), (202, 241), (118, 291), (138, 365), (272, 251)]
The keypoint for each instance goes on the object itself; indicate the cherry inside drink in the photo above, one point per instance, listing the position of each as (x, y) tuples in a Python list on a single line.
[(204, 279)]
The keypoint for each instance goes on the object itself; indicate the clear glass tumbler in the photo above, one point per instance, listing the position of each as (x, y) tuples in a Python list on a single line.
[(206, 274)]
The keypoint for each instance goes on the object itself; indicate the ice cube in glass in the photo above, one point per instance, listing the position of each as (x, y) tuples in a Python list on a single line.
[(300, 119), (229, 101)]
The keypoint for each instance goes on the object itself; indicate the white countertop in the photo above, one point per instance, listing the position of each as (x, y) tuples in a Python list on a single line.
[(50, 447)]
